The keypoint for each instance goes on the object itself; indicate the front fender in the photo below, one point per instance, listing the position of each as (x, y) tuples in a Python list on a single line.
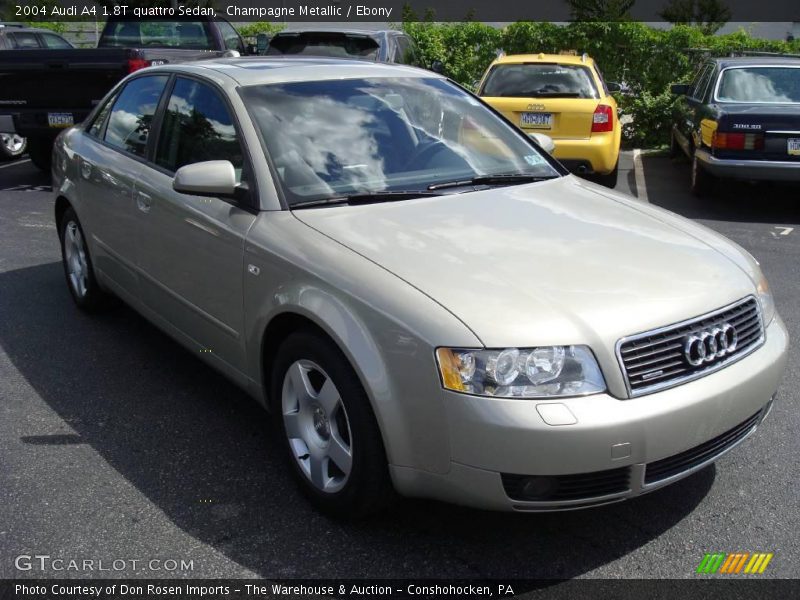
[(387, 329)]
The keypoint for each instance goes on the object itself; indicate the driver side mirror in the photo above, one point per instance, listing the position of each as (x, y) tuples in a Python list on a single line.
[(437, 66), (679, 89), (215, 178), (613, 86)]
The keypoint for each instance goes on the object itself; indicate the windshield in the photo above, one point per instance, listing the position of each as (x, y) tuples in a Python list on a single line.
[(539, 80), (324, 44), (358, 136), (772, 85)]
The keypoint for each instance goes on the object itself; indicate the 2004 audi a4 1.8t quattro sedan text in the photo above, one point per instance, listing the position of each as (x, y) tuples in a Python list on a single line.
[(425, 300)]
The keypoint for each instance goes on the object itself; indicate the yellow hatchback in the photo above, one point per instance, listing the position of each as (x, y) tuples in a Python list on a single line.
[(565, 97)]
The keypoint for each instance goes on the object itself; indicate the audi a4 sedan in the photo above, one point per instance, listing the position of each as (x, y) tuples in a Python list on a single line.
[(426, 301)]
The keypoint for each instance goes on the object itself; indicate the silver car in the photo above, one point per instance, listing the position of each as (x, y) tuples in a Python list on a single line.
[(427, 302)]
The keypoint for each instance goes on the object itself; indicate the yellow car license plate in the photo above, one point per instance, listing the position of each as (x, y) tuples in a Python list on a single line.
[(535, 120), (793, 146)]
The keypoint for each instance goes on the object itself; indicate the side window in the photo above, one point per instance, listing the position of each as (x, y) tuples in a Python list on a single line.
[(704, 92), (700, 82), (54, 41), (132, 114), (602, 79), (96, 128), (403, 53), (197, 127), (23, 41), (230, 37)]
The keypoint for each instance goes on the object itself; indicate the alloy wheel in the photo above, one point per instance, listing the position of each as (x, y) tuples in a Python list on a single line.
[(75, 255), (317, 426)]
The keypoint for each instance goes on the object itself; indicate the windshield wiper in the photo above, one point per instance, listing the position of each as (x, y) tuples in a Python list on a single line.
[(499, 179), (366, 198)]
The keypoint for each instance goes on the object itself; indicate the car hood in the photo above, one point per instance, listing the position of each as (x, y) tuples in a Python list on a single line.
[(555, 262)]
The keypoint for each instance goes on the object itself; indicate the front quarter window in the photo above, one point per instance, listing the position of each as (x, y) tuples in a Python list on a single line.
[(339, 137)]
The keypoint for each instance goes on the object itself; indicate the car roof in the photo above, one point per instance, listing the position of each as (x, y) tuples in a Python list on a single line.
[(262, 69), (563, 59), (733, 61)]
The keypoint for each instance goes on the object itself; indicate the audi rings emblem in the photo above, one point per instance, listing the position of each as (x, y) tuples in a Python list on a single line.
[(709, 345)]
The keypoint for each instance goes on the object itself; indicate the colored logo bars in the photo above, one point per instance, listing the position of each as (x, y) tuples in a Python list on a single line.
[(734, 563)]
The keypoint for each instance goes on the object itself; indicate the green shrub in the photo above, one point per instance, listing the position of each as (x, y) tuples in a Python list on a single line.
[(647, 59)]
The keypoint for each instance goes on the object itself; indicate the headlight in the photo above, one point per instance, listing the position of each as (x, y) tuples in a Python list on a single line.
[(766, 300), (545, 372)]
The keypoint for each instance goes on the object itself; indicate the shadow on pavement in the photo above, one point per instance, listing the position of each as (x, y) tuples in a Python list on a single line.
[(181, 433), (668, 180)]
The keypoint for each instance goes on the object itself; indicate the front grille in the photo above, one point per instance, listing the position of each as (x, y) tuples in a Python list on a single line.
[(679, 463), (657, 359), (568, 487)]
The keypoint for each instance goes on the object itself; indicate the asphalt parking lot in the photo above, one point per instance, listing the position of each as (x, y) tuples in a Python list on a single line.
[(115, 443)]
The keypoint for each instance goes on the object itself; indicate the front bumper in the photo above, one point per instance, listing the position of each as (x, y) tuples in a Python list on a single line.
[(673, 433), (772, 170)]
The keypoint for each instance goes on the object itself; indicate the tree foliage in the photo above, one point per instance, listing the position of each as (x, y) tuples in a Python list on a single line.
[(600, 10), (709, 15), (647, 59)]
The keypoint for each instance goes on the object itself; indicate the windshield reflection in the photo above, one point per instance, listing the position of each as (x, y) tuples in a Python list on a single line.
[(356, 136)]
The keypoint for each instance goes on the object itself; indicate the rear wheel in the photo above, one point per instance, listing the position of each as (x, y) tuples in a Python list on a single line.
[(41, 151), (77, 263), (12, 146), (703, 182), (329, 430), (609, 180)]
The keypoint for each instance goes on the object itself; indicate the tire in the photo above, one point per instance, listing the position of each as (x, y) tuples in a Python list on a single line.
[(324, 415), (609, 180), (41, 153), (78, 267), (703, 182), (12, 146)]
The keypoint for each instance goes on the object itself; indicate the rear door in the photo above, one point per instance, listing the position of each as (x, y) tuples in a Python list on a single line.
[(112, 156), (556, 99), (191, 249)]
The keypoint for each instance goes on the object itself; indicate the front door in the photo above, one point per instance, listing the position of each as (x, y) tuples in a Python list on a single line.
[(191, 248)]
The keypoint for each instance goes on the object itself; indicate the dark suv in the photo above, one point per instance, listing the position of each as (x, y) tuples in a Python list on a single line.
[(740, 118)]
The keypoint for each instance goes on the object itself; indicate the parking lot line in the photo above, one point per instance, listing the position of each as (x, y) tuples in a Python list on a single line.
[(638, 172), (14, 164)]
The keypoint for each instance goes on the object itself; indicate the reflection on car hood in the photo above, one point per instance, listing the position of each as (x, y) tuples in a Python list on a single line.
[(560, 261)]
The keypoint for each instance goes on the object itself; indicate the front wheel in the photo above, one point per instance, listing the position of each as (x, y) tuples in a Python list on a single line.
[(328, 427)]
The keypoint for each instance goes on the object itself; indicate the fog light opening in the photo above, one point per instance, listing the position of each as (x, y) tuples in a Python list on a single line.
[(539, 488)]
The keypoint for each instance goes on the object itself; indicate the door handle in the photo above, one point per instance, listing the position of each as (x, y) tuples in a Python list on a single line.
[(143, 202)]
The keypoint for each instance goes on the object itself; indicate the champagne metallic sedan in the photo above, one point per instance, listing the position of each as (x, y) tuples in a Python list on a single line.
[(426, 301)]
